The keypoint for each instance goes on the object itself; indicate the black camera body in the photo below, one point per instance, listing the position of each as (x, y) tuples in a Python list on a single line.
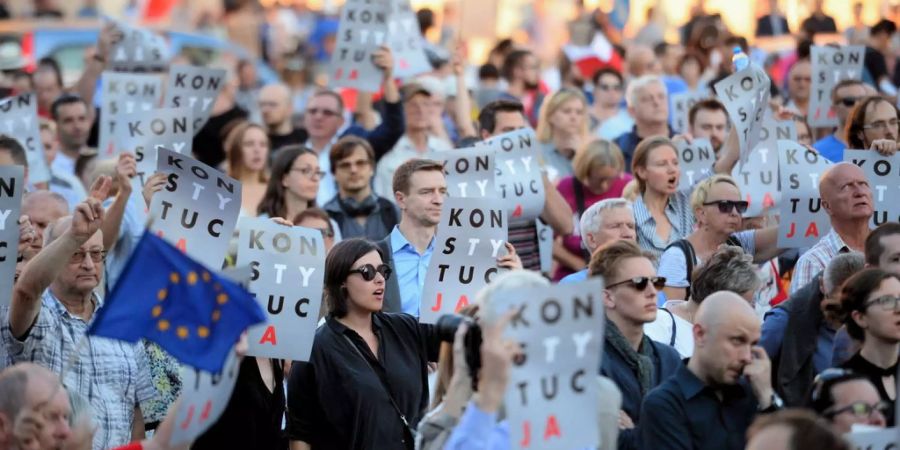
[(446, 329)]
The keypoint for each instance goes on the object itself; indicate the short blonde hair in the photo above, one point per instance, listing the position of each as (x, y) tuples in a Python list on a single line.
[(597, 153), (544, 130), (701, 191)]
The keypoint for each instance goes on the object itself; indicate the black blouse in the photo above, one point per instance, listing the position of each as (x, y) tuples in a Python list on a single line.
[(336, 401), (876, 375), (252, 419)]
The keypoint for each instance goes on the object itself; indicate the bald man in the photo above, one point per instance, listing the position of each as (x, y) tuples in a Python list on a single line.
[(847, 198), (277, 111), (34, 408), (711, 401)]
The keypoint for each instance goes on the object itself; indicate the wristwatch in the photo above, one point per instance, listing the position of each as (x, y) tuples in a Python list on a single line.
[(775, 404)]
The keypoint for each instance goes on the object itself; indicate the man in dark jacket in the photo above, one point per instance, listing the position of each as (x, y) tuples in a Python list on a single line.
[(772, 24), (630, 359), (811, 315)]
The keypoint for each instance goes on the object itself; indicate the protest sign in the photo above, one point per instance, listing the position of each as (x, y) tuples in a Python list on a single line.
[(545, 245), (695, 160), (362, 29), (204, 397), (12, 185), (745, 95), (142, 133), (758, 177), (138, 50), (470, 238), (288, 275), (195, 88), (197, 209), (518, 178), (125, 93), (681, 106), (406, 40), (883, 173), (830, 65), (19, 120), (469, 171), (560, 329), (886, 439), (803, 219)]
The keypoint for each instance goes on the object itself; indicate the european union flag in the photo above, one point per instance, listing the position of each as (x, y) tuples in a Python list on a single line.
[(166, 297)]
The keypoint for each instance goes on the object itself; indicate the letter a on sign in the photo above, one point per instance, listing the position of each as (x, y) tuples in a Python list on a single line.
[(269, 336)]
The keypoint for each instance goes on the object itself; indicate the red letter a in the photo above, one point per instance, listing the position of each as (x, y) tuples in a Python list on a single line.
[(552, 428), (269, 336)]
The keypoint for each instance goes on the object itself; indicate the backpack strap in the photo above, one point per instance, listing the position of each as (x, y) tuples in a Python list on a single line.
[(671, 316), (689, 256), (733, 241)]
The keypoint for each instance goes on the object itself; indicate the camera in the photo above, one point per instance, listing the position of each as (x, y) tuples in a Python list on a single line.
[(446, 329)]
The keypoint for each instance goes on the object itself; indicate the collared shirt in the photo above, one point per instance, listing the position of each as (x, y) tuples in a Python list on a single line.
[(685, 414), (817, 258), (615, 126), (69, 187), (63, 164), (831, 148), (410, 268), (130, 232), (327, 185), (403, 151), (678, 210), (336, 400), (113, 375)]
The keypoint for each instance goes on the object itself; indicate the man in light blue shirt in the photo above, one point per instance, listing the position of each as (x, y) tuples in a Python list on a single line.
[(845, 95), (419, 188)]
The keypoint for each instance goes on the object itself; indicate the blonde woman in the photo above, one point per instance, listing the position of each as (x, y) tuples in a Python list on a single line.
[(717, 206), (562, 128), (599, 173)]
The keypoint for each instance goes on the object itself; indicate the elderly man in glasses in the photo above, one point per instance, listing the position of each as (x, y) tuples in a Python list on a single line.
[(53, 302), (634, 362), (847, 198), (846, 398), (844, 96)]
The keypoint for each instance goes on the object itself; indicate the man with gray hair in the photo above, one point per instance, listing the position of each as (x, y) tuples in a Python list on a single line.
[(648, 104), (34, 406), (812, 314), (608, 220), (53, 302)]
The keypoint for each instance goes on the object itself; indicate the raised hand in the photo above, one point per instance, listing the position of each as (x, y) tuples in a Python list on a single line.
[(384, 60), (153, 185), (100, 189), (86, 219), (886, 147), (759, 373), (510, 260), (27, 234), (126, 169)]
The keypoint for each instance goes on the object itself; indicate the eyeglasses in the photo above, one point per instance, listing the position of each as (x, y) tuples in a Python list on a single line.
[(849, 101), (359, 164), (641, 283), (609, 87), (887, 302), (308, 172), (727, 206), (881, 125), (368, 271), (322, 111), (861, 410), (97, 256)]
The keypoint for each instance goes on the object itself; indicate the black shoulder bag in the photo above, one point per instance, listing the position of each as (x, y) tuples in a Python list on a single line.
[(409, 433)]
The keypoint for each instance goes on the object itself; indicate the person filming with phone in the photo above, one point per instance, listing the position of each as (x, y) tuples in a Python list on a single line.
[(711, 401)]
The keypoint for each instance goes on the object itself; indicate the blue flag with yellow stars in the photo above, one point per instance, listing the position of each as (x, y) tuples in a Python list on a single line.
[(166, 297)]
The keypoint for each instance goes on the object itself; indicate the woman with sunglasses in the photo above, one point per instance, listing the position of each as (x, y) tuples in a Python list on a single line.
[(717, 206), (846, 398), (365, 385), (873, 125), (608, 115), (634, 362), (871, 301)]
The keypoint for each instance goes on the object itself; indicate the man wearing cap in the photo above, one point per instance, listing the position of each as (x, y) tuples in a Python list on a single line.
[(421, 110)]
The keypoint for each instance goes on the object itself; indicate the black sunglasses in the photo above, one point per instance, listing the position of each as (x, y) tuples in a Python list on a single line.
[(849, 101), (368, 271), (640, 283), (726, 206)]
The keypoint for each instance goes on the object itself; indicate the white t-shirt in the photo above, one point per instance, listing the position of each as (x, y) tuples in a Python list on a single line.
[(673, 266), (661, 329)]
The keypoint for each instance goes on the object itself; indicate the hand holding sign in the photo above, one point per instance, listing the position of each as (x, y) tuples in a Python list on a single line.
[(126, 169), (886, 147), (803, 219), (384, 60), (497, 353), (883, 173)]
